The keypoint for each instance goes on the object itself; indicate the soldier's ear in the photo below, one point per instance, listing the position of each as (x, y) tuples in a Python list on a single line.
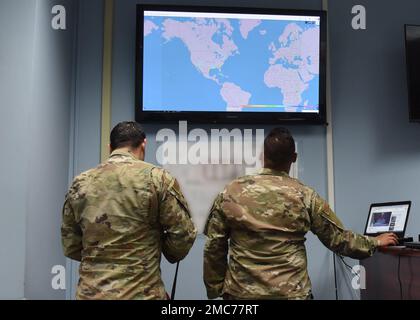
[(144, 143)]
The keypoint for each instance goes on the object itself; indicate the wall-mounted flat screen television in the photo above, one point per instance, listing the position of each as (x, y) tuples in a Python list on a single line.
[(230, 65), (412, 46)]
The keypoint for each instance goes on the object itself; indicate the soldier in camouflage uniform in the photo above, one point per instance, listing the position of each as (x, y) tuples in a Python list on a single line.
[(119, 217), (261, 221)]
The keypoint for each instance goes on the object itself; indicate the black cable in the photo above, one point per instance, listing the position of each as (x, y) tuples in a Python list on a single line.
[(345, 263), (348, 266), (335, 278), (174, 283), (399, 277)]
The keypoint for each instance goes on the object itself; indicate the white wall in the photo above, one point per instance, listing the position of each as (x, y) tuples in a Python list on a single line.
[(48, 149), (36, 89), (16, 18)]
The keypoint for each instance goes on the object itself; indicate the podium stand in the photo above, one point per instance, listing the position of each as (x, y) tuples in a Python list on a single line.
[(392, 273)]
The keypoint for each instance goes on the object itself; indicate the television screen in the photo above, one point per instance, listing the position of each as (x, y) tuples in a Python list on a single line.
[(412, 45), (208, 64)]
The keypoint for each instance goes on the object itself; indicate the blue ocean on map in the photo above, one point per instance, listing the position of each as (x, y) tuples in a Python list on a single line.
[(173, 83)]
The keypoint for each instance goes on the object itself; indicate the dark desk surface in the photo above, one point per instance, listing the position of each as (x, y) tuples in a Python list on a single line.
[(400, 251)]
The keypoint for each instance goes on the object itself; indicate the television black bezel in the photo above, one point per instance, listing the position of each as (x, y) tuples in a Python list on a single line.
[(230, 117), (411, 107)]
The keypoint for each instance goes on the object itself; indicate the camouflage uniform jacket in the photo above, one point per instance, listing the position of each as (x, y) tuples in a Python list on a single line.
[(117, 220), (260, 222)]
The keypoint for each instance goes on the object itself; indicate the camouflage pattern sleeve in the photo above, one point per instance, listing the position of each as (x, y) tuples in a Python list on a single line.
[(179, 231), (71, 234), (215, 250), (330, 230)]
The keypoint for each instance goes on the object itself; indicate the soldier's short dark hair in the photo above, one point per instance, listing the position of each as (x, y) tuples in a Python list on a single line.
[(279, 146), (127, 134)]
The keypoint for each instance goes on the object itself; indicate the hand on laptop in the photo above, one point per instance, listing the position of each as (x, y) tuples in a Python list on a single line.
[(387, 239)]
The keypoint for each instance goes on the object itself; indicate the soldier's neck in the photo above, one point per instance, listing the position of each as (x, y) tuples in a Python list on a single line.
[(137, 153), (285, 168)]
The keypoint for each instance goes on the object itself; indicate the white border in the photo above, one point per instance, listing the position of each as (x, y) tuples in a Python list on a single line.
[(217, 15)]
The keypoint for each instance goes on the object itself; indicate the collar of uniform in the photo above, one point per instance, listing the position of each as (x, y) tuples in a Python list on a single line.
[(272, 172), (122, 153)]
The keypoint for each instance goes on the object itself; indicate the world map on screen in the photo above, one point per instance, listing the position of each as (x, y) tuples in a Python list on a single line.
[(230, 62)]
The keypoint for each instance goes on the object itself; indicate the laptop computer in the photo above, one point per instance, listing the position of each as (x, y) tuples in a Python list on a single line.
[(388, 217)]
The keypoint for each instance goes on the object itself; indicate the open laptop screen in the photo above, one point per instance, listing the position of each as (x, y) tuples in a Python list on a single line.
[(388, 217)]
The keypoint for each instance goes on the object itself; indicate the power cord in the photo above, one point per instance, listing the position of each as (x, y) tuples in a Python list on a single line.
[(399, 277), (335, 278), (174, 283), (349, 268)]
